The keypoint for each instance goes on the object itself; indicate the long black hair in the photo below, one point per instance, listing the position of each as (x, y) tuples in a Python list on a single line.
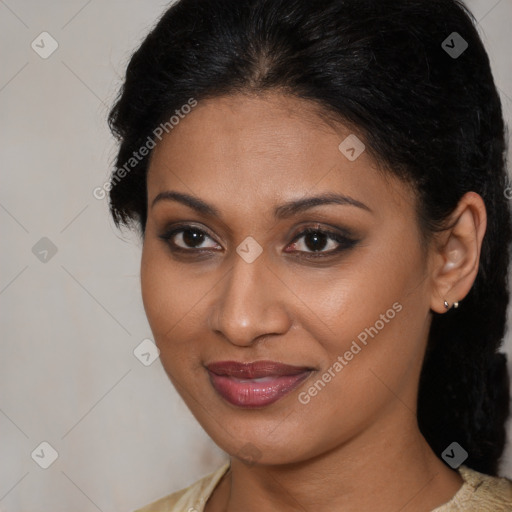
[(414, 78)]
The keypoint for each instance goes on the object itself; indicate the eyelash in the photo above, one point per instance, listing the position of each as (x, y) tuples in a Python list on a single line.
[(345, 242)]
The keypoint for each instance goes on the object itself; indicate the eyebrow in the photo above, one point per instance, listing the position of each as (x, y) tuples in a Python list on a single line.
[(282, 211)]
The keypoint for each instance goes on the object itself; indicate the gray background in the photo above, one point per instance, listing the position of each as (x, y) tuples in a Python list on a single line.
[(68, 375)]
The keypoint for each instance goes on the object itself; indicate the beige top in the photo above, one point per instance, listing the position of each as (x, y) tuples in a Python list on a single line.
[(479, 493)]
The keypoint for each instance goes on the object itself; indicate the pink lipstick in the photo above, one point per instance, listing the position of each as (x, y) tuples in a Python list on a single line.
[(256, 384)]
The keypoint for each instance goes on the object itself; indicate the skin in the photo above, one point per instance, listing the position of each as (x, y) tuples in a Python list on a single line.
[(356, 445)]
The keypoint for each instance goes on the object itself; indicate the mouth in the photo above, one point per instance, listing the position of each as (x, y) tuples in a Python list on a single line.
[(258, 384)]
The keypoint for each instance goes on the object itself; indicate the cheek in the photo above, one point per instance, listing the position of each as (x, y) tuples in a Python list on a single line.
[(373, 315), (163, 295), (338, 304), (154, 281), (174, 308)]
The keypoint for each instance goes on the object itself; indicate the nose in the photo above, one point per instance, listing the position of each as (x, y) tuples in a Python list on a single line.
[(251, 304)]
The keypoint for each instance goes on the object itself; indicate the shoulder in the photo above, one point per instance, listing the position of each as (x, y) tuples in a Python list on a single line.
[(190, 499), (492, 492), (481, 493)]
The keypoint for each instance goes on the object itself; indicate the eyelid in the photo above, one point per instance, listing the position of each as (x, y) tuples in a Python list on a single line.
[(325, 229)]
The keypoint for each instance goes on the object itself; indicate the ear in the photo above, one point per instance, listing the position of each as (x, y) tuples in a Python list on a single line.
[(456, 256)]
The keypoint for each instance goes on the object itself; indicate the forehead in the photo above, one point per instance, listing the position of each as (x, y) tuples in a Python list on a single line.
[(266, 148)]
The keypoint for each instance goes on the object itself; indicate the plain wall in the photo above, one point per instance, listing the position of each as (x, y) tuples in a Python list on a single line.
[(68, 375)]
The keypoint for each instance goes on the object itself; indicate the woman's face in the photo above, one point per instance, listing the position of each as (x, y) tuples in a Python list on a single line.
[(236, 280)]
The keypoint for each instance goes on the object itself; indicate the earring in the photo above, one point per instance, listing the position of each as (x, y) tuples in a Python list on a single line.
[(447, 306)]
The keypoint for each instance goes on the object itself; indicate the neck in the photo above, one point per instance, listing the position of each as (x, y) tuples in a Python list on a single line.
[(387, 468)]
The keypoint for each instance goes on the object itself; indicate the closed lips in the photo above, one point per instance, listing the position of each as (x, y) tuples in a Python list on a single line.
[(257, 384)]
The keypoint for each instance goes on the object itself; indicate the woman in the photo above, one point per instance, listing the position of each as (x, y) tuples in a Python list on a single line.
[(320, 188)]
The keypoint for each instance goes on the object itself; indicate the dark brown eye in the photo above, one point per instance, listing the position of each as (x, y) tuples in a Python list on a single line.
[(192, 237), (187, 238), (317, 240)]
